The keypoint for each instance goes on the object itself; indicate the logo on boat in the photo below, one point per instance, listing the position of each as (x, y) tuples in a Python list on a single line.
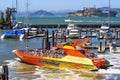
[(49, 62)]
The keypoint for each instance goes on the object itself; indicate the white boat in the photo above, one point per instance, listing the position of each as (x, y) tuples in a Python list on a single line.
[(70, 20), (104, 28), (73, 31), (114, 47), (71, 26)]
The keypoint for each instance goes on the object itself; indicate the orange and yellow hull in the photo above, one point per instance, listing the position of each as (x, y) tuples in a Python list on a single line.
[(69, 62)]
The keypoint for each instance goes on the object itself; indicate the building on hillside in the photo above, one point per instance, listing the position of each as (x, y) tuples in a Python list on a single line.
[(92, 12)]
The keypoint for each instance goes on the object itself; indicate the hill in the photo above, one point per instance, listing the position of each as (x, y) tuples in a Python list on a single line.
[(42, 13)]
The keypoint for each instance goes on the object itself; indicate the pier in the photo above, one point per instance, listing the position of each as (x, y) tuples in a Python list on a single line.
[(81, 25)]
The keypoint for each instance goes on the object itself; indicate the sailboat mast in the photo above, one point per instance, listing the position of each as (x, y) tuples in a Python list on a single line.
[(27, 14), (16, 10), (109, 14)]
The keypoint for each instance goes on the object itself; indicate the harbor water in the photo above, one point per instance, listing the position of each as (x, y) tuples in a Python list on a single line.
[(23, 71), (75, 20)]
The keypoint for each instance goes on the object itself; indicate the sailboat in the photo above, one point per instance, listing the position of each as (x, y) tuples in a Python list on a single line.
[(105, 27), (20, 30), (14, 33), (28, 29)]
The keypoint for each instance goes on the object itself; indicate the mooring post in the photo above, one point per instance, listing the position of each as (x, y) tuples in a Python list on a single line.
[(43, 43), (37, 31), (5, 72), (91, 32), (105, 42), (28, 32), (117, 35), (80, 32), (53, 39), (47, 39), (64, 38), (100, 46), (56, 39), (87, 32), (48, 45)]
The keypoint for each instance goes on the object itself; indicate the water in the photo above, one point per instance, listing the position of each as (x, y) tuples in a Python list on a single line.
[(23, 71), (60, 20)]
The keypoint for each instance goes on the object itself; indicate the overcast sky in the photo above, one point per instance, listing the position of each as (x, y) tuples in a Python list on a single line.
[(56, 5)]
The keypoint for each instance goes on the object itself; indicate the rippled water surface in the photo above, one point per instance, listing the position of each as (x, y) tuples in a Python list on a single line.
[(23, 71)]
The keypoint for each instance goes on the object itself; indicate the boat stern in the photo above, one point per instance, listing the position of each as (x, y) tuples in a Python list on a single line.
[(79, 63), (101, 63)]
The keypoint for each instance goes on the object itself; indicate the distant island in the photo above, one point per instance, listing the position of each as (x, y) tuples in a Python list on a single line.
[(100, 12), (42, 13)]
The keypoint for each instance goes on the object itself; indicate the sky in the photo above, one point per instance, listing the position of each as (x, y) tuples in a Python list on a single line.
[(57, 5)]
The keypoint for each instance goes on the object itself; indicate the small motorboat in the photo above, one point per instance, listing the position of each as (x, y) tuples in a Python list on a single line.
[(68, 20), (73, 31), (71, 20), (67, 56), (105, 29), (114, 47), (15, 34)]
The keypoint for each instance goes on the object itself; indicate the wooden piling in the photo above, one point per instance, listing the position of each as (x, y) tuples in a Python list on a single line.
[(2, 77), (53, 39), (117, 35), (100, 46), (43, 40), (4, 74), (48, 45), (37, 31), (56, 40), (47, 39), (80, 32), (64, 38), (91, 33), (87, 33)]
